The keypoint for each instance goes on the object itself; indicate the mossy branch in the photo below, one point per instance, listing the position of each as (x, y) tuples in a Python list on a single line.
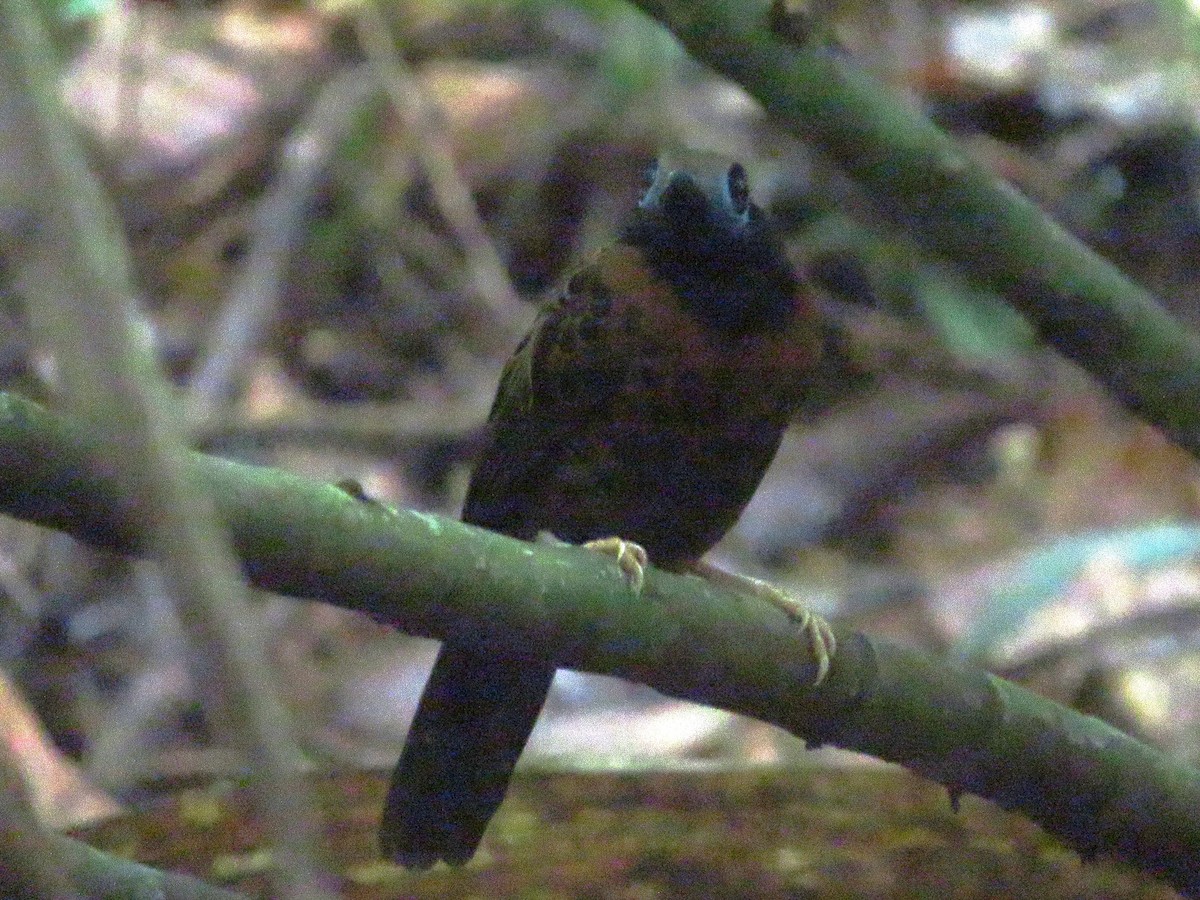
[(953, 207), (1096, 788)]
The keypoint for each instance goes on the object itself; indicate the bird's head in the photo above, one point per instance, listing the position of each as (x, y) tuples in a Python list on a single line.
[(701, 233)]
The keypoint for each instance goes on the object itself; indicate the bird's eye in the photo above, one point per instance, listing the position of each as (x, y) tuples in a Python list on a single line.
[(739, 189)]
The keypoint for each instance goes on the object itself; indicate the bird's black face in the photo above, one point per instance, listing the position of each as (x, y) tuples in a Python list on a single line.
[(704, 203), (701, 234)]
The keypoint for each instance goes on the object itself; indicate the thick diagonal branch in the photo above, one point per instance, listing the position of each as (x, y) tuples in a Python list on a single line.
[(1099, 790), (952, 207)]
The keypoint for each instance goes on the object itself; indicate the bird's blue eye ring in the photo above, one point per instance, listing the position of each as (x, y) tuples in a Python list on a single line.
[(649, 176), (739, 189)]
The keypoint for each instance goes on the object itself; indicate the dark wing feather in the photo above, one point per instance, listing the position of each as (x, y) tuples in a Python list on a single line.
[(547, 390)]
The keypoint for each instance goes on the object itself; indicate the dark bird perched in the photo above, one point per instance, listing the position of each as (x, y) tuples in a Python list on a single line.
[(637, 417)]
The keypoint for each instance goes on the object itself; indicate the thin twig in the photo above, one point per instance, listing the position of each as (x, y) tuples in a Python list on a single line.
[(432, 147), (277, 227), (74, 271)]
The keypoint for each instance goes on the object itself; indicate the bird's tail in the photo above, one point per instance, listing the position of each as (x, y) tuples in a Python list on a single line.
[(472, 723)]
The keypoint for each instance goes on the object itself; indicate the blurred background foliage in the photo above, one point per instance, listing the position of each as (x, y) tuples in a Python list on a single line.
[(291, 180)]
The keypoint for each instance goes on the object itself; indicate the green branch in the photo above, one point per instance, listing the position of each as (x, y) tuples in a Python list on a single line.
[(1096, 788), (953, 207), (100, 874)]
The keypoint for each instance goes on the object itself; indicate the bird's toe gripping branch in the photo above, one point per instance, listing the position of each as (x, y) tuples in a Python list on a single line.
[(631, 558), (821, 639)]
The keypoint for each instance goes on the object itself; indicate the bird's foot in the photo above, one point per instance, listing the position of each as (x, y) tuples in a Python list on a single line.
[(821, 639), (631, 558)]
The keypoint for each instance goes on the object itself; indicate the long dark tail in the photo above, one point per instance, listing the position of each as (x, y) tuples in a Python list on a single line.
[(473, 721)]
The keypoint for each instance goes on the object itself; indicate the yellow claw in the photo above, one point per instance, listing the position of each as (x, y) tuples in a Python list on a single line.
[(821, 639), (631, 558)]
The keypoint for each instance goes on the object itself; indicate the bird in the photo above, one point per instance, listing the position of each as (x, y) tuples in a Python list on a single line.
[(637, 418)]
